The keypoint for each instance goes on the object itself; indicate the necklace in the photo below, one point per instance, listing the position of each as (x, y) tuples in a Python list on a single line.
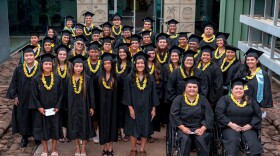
[(33, 72), (45, 83), (183, 73), (164, 59), (38, 50), (216, 55), (117, 33), (254, 74), (170, 68), (230, 63), (196, 54), (70, 29), (105, 84), (87, 34), (138, 83), (111, 51), (199, 65), (90, 67), (191, 103), (152, 69), (184, 48), (64, 71), (173, 36), (77, 91), (122, 70), (237, 103), (208, 40)]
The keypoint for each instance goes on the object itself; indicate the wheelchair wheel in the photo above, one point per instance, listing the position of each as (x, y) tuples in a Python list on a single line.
[(217, 148), (172, 144)]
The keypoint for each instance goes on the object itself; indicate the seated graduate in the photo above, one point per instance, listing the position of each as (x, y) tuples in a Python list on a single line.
[(193, 116), (239, 118)]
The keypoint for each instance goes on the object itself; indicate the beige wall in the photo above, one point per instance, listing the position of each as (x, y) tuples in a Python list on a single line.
[(98, 7), (181, 10)]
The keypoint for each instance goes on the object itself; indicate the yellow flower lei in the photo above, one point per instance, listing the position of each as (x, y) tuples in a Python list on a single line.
[(173, 36), (148, 30), (164, 59), (75, 85), (33, 72), (191, 103), (253, 75), (38, 50), (216, 55), (70, 29), (237, 103), (90, 67), (122, 70), (196, 54), (205, 39), (105, 84), (152, 69), (45, 83), (138, 83), (85, 31), (230, 63), (246, 87), (170, 67), (117, 33), (64, 71), (183, 73), (111, 51), (187, 47), (207, 64)]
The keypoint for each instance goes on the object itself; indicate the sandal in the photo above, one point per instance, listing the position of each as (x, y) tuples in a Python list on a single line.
[(119, 137), (62, 140), (151, 140), (84, 154), (67, 140), (133, 153), (143, 153), (125, 138), (110, 153), (54, 153), (138, 141), (44, 154), (78, 154), (104, 153)]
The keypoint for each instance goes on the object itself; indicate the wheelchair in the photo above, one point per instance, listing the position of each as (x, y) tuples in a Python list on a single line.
[(172, 142)]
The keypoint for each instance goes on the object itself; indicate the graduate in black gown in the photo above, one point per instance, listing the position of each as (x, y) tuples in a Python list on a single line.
[(123, 68), (141, 98), (213, 73), (125, 37), (88, 25), (117, 27), (176, 85), (239, 117), (47, 46), (108, 97), (183, 40), (95, 35), (80, 105), (148, 26), (259, 85), (135, 44), (66, 38), (53, 35), (221, 42), (79, 29), (19, 90), (208, 35), (162, 48), (172, 28), (107, 45), (193, 117), (46, 96), (146, 37), (194, 45), (79, 46), (68, 25), (229, 66)]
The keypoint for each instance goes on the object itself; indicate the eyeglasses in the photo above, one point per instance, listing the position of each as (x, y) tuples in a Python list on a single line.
[(79, 43)]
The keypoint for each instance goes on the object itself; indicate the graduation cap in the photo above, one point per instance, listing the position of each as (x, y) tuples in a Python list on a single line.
[(94, 46), (106, 24), (231, 47), (207, 48), (183, 34), (107, 39), (88, 14), (81, 38), (124, 46), (253, 53), (47, 57), (96, 30), (136, 37), (79, 25), (69, 18), (188, 53), (195, 38), (141, 55), (192, 80), (149, 47), (208, 24), (77, 59), (126, 27), (47, 39), (237, 81), (108, 57), (116, 16), (66, 33), (162, 36), (222, 35), (34, 33), (176, 49), (172, 21), (28, 49), (148, 19), (146, 32), (62, 47)]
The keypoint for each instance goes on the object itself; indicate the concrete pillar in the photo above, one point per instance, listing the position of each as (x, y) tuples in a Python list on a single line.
[(4, 31)]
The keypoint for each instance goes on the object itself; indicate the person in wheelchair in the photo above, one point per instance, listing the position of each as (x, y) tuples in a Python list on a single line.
[(239, 118), (192, 114)]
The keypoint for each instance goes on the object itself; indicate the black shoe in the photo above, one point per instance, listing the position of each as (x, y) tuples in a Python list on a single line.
[(37, 142), (23, 142)]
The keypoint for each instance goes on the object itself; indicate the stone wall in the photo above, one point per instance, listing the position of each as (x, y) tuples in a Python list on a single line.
[(181, 10), (98, 7)]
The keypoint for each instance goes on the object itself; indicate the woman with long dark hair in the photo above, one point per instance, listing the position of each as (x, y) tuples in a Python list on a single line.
[(221, 42), (162, 48), (66, 38), (51, 33)]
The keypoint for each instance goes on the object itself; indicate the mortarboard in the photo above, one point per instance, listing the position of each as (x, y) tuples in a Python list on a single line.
[(77, 59)]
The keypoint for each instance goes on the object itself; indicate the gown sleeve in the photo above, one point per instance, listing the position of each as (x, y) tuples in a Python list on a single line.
[(171, 87), (127, 92), (13, 87), (208, 115), (154, 95), (60, 94), (91, 94), (256, 121), (203, 84), (175, 109), (34, 101), (267, 98), (220, 112), (217, 85)]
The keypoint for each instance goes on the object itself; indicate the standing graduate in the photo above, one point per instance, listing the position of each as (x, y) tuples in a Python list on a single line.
[(193, 45), (79, 29), (135, 44), (80, 105), (107, 94), (106, 29), (148, 26), (88, 24), (183, 40), (66, 38), (52, 33), (95, 35), (107, 44), (213, 75), (127, 32), (19, 90), (146, 37), (162, 48), (123, 68), (46, 96), (34, 40), (208, 35), (172, 28), (68, 25), (221, 42), (141, 98), (117, 27), (229, 66), (79, 46), (47, 45)]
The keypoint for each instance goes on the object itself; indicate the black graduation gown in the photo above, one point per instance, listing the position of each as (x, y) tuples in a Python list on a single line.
[(46, 127), (176, 85), (153, 36), (22, 117), (173, 41), (117, 37), (212, 44), (227, 111), (215, 83), (215, 60), (108, 129), (192, 117), (79, 121), (162, 58), (122, 109), (166, 74), (142, 102), (88, 31)]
